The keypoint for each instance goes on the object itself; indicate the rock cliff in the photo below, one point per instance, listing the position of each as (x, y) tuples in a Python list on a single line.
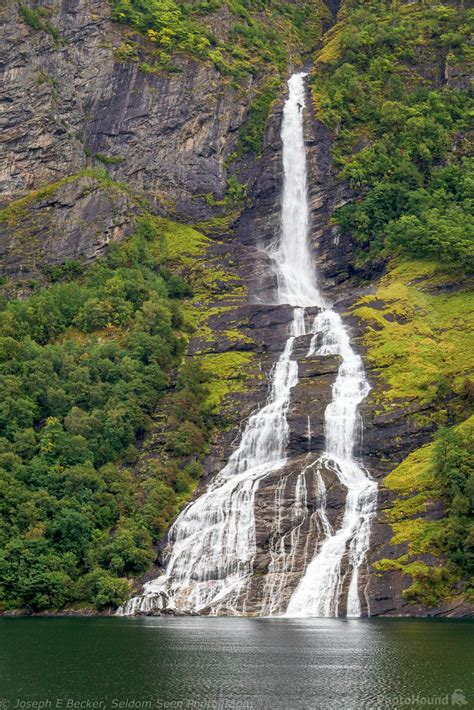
[(89, 138)]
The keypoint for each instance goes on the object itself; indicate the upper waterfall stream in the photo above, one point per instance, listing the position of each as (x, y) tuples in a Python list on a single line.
[(212, 542)]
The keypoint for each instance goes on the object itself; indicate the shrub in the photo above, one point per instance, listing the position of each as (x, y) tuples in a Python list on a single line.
[(103, 589)]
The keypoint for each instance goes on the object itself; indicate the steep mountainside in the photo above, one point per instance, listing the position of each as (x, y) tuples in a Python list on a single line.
[(392, 84), (111, 119), (78, 97), (132, 346)]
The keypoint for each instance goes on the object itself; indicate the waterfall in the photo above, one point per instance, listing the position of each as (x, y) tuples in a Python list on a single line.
[(213, 539), (319, 591), (212, 542)]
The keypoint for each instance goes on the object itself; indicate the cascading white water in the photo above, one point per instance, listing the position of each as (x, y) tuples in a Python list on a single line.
[(213, 539), (319, 591), (291, 254), (212, 542)]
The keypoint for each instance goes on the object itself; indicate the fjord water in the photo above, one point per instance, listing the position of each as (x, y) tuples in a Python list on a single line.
[(235, 664), (212, 542)]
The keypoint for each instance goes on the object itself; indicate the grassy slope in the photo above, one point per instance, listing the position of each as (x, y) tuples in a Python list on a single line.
[(418, 333), (417, 490), (216, 290)]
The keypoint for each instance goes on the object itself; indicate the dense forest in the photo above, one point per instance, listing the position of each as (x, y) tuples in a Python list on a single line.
[(93, 352), (85, 362), (401, 140)]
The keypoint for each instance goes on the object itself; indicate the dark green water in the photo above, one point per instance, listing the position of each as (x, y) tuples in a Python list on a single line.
[(148, 663)]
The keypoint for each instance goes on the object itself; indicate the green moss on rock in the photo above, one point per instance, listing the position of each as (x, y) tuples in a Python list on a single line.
[(418, 330), (229, 372), (417, 487)]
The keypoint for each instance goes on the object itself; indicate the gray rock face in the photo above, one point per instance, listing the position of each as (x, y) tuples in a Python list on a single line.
[(167, 135), (288, 524), (289, 530), (76, 221)]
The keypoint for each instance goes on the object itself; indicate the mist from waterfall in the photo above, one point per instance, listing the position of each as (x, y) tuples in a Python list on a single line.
[(212, 542)]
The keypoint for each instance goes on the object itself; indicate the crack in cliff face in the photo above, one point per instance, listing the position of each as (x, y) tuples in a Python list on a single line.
[(334, 6)]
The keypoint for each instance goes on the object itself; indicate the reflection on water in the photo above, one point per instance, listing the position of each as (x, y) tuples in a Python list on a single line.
[(147, 663)]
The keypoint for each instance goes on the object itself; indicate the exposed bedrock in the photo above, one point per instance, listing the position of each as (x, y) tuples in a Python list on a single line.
[(289, 529), (165, 135), (76, 221)]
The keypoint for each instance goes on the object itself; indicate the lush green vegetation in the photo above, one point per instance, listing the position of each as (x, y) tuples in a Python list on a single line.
[(379, 83), (83, 365), (454, 473), (416, 331), (442, 470), (260, 33), (251, 136), (389, 85), (416, 334)]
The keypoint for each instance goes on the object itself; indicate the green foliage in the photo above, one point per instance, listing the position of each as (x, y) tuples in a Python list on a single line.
[(262, 38), (68, 270), (261, 34), (234, 197), (430, 584), (16, 210), (103, 589), (399, 134), (37, 18), (33, 18), (164, 22), (108, 159), (236, 191), (251, 135), (83, 365), (416, 327), (454, 471), (442, 470), (417, 330)]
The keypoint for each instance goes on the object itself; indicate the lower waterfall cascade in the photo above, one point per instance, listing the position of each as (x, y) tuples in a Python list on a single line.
[(212, 543)]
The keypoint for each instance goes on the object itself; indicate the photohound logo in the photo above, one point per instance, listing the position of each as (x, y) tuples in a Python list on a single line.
[(458, 698)]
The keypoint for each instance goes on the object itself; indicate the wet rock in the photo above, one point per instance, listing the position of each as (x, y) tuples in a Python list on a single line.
[(308, 403), (289, 530)]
